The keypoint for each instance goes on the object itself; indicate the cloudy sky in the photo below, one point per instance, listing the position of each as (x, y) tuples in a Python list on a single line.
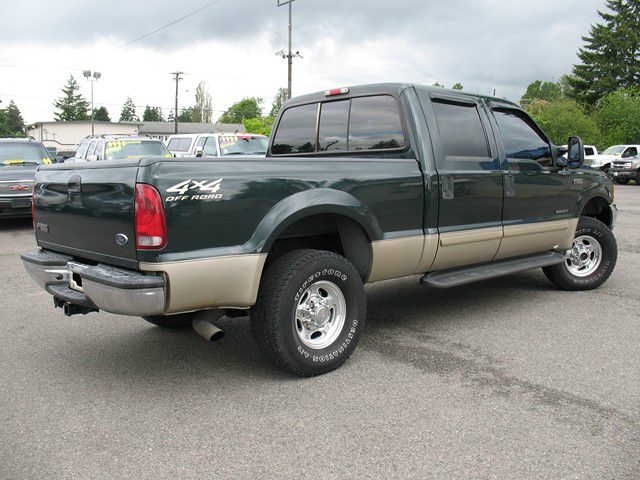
[(485, 44)]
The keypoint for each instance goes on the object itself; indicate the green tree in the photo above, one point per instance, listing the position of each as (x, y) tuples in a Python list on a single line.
[(278, 101), (202, 109), (71, 105), (101, 114), (152, 114), (438, 84), (610, 57), (187, 115), (457, 86), (248, 107), (540, 90), (11, 122), (128, 113), (563, 118), (261, 126), (618, 116)]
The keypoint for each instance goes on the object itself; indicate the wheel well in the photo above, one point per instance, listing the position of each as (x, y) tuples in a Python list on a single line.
[(331, 232), (598, 208)]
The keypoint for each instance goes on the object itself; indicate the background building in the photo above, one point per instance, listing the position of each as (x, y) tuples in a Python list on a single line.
[(65, 136)]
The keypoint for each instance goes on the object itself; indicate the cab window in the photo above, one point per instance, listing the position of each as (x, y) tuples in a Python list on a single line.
[(179, 144), (374, 124), (92, 148), (522, 140), (82, 150), (630, 152), (461, 130), (296, 131)]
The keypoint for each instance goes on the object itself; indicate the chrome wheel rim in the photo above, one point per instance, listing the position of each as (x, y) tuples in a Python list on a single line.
[(320, 314), (585, 256)]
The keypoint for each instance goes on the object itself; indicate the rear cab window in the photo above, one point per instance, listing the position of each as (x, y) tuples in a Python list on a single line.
[(134, 148), (369, 123)]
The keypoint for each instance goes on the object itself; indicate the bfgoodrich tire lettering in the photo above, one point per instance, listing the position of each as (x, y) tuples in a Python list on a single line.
[(561, 275), (274, 322)]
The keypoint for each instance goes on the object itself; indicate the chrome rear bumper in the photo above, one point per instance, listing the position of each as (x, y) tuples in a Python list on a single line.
[(114, 290)]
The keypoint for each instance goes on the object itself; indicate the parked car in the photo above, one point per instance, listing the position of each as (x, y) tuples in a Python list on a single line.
[(622, 171), (604, 161), (118, 147), (217, 145), (359, 185), (19, 158)]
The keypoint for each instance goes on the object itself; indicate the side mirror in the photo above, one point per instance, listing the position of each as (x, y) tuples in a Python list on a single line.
[(199, 152), (92, 158), (575, 153)]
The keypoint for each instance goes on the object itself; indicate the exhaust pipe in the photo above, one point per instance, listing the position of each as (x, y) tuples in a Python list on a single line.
[(202, 325)]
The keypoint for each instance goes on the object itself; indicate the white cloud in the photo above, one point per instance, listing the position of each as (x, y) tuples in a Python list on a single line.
[(483, 44)]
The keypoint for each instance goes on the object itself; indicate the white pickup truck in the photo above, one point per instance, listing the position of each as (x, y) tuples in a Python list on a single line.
[(604, 161)]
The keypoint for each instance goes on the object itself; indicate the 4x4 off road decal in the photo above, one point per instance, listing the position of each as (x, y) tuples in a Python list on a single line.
[(206, 190)]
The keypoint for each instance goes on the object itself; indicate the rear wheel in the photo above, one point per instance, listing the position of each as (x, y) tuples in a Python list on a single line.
[(310, 312), (180, 320), (590, 261)]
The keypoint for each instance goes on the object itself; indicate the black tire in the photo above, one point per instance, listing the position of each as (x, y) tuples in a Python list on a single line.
[(622, 181), (606, 168), (173, 322), (562, 277), (273, 318), (638, 178)]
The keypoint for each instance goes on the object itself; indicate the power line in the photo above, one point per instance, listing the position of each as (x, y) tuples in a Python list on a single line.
[(142, 37)]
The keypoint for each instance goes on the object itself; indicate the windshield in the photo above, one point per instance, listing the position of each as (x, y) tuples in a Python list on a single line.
[(617, 150), (242, 145), (23, 153), (118, 149)]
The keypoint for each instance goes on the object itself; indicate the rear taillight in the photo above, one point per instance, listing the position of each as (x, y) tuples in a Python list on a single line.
[(151, 226)]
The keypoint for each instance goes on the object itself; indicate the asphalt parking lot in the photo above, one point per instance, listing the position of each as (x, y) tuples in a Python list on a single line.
[(503, 379)]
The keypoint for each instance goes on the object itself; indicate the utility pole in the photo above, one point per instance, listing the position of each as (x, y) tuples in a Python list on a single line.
[(177, 78), (289, 55)]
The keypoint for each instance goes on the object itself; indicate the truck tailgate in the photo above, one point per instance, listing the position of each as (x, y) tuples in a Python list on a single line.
[(87, 210)]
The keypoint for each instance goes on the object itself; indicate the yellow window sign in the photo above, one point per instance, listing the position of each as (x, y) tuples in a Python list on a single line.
[(46, 161)]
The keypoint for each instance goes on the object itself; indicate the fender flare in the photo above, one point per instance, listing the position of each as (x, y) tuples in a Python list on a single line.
[(312, 202)]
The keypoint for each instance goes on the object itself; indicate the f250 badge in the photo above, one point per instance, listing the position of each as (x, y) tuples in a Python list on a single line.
[(184, 188)]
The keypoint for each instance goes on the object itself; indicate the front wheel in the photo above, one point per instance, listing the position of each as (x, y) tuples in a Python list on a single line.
[(591, 260), (622, 181), (310, 312)]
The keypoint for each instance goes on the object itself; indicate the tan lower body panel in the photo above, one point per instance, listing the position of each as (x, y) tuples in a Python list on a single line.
[(215, 282), (537, 237), (399, 257), (467, 247)]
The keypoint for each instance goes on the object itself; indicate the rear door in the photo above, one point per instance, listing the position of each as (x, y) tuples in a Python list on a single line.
[(471, 187), (538, 198)]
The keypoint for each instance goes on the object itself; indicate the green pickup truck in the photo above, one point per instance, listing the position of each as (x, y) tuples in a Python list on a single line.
[(359, 185)]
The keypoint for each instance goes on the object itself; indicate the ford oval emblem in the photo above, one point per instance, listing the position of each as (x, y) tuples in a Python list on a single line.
[(122, 239)]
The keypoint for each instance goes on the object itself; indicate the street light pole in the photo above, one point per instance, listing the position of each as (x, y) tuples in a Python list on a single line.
[(92, 77)]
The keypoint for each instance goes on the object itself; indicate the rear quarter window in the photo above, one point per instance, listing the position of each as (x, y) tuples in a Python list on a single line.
[(350, 125)]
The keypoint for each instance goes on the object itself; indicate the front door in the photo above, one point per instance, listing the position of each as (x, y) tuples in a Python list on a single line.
[(471, 188), (538, 201)]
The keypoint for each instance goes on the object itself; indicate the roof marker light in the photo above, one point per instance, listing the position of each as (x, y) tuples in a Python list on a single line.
[(336, 91)]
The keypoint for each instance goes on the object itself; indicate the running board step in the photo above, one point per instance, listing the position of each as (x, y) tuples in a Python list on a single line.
[(461, 276)]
